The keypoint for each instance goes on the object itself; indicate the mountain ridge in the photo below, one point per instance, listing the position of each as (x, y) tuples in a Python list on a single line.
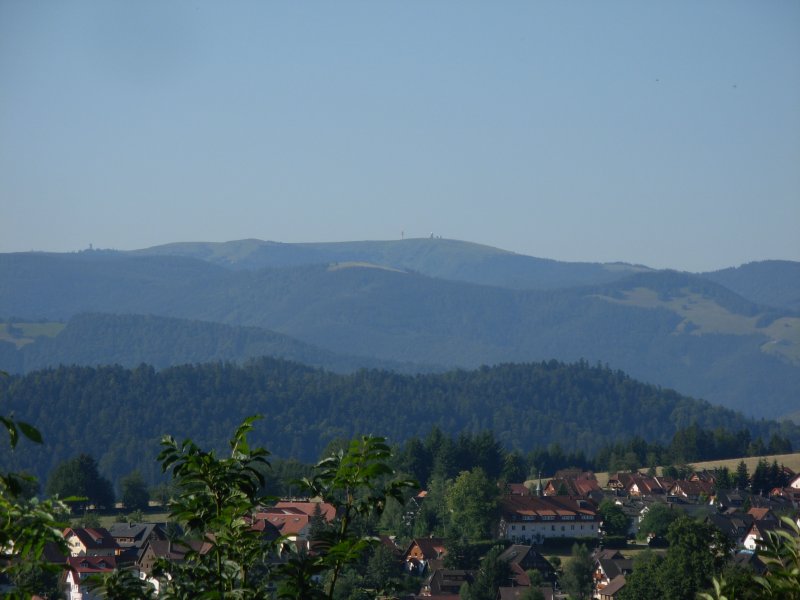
[(671, 328)]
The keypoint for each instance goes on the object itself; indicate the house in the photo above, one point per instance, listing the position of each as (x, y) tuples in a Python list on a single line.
[(692, 490), (311, 508), (608, 566), (570, 483), (612, 589), (131, 537), (81, 567), (522, 558), (758, 531), (618, 482), (734, 525), (173, 552), (635, 484), (421, 552), (90, 541), (517, 489), (732, 499), (291, 522), (532, 519), (643, 486), (704, 475), (762, 514), (788, 495), (446, 583)]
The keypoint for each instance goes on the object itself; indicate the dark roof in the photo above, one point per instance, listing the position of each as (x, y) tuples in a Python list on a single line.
[(614, 567), (139, 532), (527, 557), (447, 581), (734, 525), (176, 551), (431, 547)]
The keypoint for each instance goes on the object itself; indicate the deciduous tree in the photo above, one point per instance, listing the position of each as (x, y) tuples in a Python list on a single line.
[(577, 578)]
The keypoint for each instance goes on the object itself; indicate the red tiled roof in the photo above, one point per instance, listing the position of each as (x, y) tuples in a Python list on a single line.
[(308, 507), (92, 564), (545, 506), (288, 521), (759, 514), (92, 538)]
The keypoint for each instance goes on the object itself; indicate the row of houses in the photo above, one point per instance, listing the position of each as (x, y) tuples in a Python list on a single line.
[(527, 518), (140, 546)]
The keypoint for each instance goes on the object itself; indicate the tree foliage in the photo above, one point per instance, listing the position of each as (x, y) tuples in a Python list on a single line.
[(577, 579), (615, 521), (781, 554), (135, 495), (658, 519), (79, 477), (492, 574), (27, 526), (472, 504), (609, 415)]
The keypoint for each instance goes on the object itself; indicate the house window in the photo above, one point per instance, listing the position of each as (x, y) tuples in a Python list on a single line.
[(523, 528)]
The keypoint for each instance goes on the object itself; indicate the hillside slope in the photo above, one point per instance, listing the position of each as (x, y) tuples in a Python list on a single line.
[(770, 282), (129, 340), (124, 412), (670, 328)]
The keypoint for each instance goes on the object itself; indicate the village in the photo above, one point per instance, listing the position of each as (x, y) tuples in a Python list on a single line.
[(536, 524)]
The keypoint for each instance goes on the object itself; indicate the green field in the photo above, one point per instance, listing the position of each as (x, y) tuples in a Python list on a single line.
[(702, 316), (20, 334)]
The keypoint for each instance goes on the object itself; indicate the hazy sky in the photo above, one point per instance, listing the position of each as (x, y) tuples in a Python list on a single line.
[(662, 133)]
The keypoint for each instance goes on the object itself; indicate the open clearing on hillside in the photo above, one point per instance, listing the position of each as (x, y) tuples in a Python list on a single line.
[(788, 460), (20, 334), (703, 315)]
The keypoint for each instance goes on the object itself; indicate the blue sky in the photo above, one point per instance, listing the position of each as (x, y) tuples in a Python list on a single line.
[(665, 133)]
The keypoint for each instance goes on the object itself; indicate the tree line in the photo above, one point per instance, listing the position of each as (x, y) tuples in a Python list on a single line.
[(551, 414)]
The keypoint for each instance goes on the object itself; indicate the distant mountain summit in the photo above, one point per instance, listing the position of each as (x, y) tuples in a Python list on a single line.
[(435, 257)]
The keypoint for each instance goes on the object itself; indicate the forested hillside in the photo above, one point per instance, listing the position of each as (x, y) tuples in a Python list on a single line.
[(770, 282), (118, 415), (668, 328), (130, 340)]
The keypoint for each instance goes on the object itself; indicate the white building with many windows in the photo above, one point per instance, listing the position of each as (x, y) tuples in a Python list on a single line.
[(532, 519)]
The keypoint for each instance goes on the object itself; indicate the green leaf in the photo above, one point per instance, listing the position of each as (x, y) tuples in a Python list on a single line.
[(30, 432)]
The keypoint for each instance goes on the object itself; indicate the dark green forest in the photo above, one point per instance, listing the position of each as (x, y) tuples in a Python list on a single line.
[(118, 415)]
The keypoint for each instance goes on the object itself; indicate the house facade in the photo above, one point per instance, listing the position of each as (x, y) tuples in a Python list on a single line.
[(90, 541), (81, 567), (532, 519)]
